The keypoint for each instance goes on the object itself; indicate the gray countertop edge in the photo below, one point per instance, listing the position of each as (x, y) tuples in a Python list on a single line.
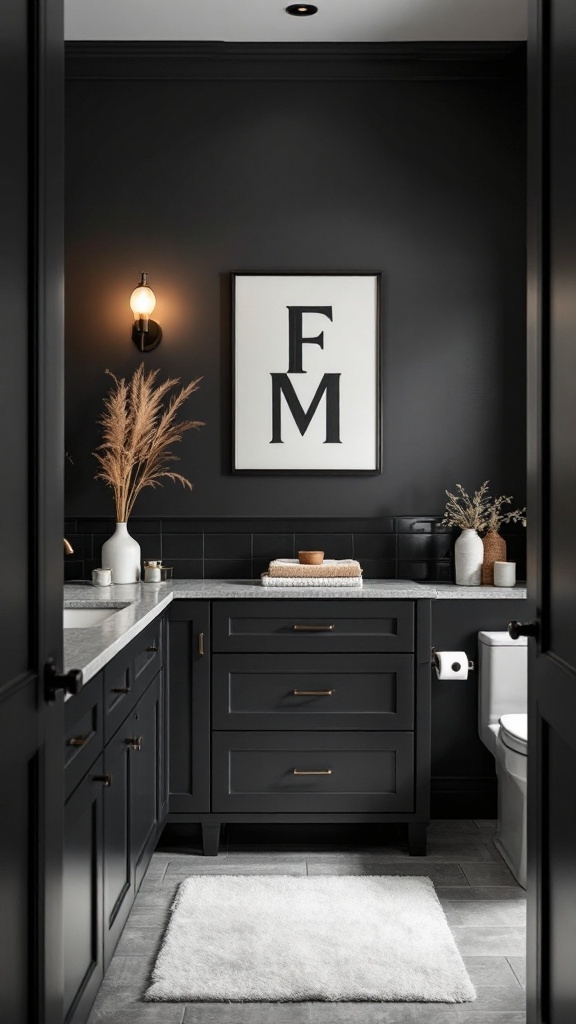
[(91, 649), (486, 593)]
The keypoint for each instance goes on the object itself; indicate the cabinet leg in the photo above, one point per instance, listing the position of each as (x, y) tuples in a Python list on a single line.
[(417, 839), (210, 840)]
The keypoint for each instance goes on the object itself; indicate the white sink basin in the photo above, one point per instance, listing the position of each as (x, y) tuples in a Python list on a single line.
[(82, 618)]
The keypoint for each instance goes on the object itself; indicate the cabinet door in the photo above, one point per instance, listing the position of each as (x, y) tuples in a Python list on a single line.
[(132, 808), (189, 703), (118, 884), (82, 895), (144, 741)]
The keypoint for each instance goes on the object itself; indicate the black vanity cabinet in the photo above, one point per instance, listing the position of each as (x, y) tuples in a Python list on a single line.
[(116, 790), (320, 711)]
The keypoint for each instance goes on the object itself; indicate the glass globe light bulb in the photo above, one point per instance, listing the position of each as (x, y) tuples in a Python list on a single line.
[(142, 300)]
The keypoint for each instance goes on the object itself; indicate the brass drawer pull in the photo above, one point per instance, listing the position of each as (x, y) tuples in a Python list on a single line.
[(201, 644), (312, 693), (151, 649), (300, 771), (106, 780), (312, 629), (120, 689), (134, 742), (78, 741)]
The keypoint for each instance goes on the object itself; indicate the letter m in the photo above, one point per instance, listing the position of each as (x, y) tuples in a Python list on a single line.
[(282, 385)]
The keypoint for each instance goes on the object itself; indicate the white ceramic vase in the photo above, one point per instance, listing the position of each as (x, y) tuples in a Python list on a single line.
[(121, 553), (468, 558)]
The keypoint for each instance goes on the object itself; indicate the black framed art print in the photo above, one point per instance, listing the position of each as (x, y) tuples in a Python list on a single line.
[(306, 374)]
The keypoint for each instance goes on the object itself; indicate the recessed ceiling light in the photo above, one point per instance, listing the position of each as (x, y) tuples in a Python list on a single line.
[(301, 10)]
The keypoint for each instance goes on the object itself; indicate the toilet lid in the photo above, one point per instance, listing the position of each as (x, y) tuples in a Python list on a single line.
[(514, 732)]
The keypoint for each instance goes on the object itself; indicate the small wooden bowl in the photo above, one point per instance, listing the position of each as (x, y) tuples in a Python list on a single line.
[(310, 557)]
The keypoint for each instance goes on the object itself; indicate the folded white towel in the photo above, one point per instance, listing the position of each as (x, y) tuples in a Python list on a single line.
[(352, 582)]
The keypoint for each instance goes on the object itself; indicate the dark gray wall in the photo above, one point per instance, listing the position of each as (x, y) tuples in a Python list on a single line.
[(210, 161)]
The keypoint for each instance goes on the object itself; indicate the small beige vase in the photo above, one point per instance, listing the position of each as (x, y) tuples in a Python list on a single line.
[(494, 551)]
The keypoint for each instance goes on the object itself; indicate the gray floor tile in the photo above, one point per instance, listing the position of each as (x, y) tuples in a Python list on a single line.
[(131, 972), (485, 893), (505, 914), (490, 970), (486, 825), (469, 1016), (271, 856), (488, 874), (152, 917), (140, 1013), (499, 998), (462, 848), (156, 870), (441, 874), (392, 851), (150, 884), (177, 872), (247, 1013), (143, 940), (156, 898), (383, 1013), (518, 965), (483, 941), (163, 856)]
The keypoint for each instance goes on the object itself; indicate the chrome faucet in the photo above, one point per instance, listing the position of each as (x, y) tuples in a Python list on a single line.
[(69, 550)]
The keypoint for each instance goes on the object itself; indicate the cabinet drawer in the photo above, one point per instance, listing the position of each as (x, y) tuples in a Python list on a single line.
[(314, 691), (83, 732), (341, 772), (129, 673), (308, 625)]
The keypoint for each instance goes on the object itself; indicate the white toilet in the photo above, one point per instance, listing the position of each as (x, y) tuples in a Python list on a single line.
[(503, 728)]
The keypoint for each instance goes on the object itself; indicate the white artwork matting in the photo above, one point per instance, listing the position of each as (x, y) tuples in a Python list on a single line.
[(306, 372)]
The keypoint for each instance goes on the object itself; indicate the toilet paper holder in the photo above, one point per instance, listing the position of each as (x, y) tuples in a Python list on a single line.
[(436, 663)]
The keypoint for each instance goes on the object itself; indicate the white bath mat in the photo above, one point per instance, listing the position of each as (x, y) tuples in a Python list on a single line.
[(332, 938)]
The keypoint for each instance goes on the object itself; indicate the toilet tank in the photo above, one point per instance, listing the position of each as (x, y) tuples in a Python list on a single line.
[(502, 681)]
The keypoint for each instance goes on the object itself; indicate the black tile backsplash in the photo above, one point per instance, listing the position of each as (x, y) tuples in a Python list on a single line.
[(407, 547), (182, 545), (228, 546), (374, 545), (266, 546), (186, 568)]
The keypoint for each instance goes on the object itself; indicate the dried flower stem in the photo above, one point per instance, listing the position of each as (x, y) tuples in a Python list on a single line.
[(138, 432), (481, 512)]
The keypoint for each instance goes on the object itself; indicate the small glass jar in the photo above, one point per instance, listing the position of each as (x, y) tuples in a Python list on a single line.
[(152, 570)]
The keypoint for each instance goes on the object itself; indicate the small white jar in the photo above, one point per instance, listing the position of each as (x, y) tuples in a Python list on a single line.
[(504, 574), (101, 577)]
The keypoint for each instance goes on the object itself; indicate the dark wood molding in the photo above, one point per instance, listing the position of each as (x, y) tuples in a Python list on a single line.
[(172, 60)]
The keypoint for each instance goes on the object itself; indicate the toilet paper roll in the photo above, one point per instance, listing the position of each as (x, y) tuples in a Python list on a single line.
[(452, 665)]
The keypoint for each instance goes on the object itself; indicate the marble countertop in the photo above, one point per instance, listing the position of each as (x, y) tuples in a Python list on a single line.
[(89, 649)]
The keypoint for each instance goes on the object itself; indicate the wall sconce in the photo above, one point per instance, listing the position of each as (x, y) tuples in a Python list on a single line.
[(146, 333)]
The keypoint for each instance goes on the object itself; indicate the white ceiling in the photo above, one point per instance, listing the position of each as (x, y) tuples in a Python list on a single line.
[(266, 20)]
